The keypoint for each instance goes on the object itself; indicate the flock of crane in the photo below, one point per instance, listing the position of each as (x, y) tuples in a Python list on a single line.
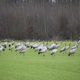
[(40, 47)]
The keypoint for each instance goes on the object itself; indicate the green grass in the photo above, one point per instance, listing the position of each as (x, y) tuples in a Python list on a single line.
[(32, 66)]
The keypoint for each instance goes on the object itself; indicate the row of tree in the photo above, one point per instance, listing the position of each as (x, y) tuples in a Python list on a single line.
[(42, 20)]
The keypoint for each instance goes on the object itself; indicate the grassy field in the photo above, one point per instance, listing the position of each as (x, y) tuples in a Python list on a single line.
[(32, 66)]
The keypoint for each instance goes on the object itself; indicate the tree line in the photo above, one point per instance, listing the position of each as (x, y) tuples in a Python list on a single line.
[(39, 19)]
